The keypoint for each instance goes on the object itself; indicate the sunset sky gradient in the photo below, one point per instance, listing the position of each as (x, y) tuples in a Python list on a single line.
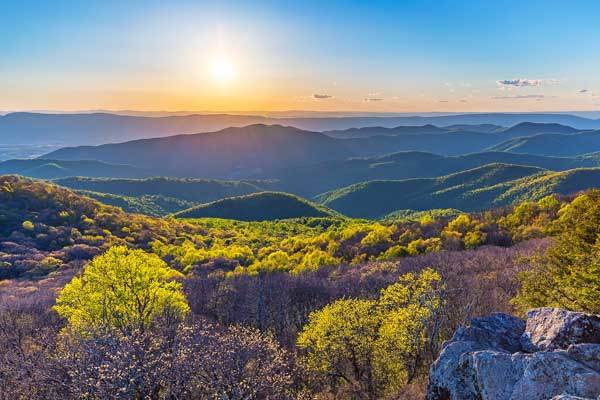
[(380, 56)]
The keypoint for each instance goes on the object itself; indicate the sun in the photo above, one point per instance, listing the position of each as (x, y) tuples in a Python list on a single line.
[(222, 70)]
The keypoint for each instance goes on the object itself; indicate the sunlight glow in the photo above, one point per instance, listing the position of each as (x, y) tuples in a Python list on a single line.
[(222, 70)]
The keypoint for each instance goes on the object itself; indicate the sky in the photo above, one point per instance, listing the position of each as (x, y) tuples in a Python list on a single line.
[(368, 56)]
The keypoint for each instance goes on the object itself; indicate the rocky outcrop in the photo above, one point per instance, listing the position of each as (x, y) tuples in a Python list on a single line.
[(553, 328), (555, 354)]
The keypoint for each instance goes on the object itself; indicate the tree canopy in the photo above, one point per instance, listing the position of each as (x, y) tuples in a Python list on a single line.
[(371, 347), (568, 274), (122, 289)]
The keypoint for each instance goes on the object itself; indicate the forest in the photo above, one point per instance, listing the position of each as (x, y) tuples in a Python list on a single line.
[(99, 303)]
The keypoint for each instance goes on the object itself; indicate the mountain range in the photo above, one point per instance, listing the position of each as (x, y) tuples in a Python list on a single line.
[(368, 171), (263, 150), (98, 128), (481, 188)]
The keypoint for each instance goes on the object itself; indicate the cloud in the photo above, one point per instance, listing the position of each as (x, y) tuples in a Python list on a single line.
[(521, 96), (322, 96), (368, 99), (523, 82), (443, 101), (583, 91)]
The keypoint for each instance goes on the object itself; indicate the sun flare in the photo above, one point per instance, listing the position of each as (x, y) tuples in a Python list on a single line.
[(222, 70)]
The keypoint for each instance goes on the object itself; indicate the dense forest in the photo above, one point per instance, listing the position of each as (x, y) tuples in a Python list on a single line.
[(311, 307)]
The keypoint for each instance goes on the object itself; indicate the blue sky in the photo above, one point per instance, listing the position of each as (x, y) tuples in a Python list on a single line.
[(275, 55)]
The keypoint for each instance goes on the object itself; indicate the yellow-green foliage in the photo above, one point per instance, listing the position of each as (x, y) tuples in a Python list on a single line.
[(464, 231), (56, 219), (375, 346), (532, 219), (121, 289), (310, 243), (28, 225), (568, 274)]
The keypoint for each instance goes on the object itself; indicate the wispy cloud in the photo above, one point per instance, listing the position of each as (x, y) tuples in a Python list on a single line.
[(368, 99), (583, 91), (524, 82), (322, 96), (522, 96)]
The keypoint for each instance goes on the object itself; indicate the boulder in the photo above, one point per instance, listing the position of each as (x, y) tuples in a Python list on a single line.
[(554, 328), (501, 357)]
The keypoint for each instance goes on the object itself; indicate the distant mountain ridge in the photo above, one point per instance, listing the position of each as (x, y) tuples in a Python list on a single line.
[(266, 150), (553, 144), (51, 169), (229, 153), (99, 128)]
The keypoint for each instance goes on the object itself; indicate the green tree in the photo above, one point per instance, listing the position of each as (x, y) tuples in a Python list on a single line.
[(122, 289), (370, 348), (568, 274), (340, 343)]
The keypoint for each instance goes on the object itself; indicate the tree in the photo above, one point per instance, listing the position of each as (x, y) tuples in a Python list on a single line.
[(372, 347), (122, 289), (410, 327), (339, 340), (568, 274)]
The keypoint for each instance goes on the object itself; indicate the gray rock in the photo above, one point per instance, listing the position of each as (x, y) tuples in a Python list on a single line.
[(586, 353), (448, 378), (554, 328), (485, 360), (498, 331)]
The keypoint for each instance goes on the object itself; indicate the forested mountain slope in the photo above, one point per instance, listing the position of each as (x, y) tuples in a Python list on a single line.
[(311, 180), (261, 149), (481, 188), (50, 169), (188, 189), (258, 207), (559, 145)]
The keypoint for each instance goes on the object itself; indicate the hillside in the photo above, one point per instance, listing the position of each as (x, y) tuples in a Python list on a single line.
[(531, 128), (311, 180), (257, 207), (559, 145), (186, 189), (230, 153), (538, 186), (374, 199), (152, 205), (51, 169), (493, 185), (261, 149)]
